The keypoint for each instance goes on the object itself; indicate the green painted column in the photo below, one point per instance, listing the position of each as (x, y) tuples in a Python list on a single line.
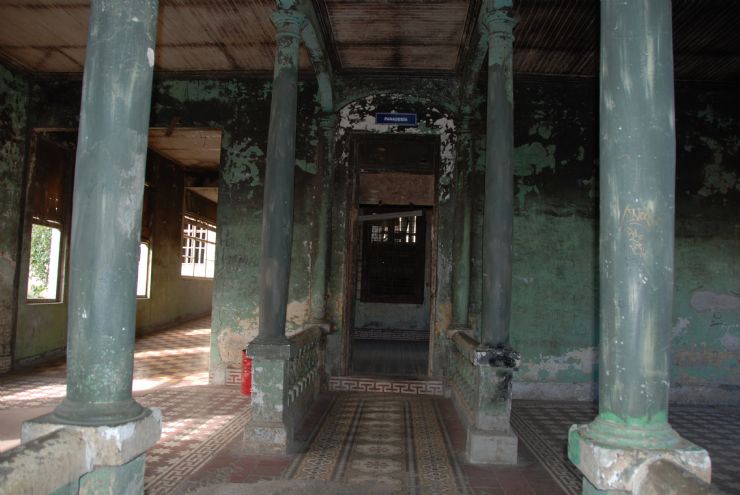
[(277, 213), (637, 187), (106, 214), (327, 124), (637, 174), (461, 241), (499, 195)]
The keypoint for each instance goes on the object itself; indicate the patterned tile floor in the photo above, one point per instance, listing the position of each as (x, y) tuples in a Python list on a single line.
[(171, 373), (201, 444), (543, 428), (398, 441)]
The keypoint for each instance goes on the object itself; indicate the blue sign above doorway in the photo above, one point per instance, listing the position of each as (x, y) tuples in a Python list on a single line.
[(407, 119)]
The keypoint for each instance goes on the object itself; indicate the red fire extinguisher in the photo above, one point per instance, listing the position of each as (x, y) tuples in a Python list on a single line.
[(246, 373)]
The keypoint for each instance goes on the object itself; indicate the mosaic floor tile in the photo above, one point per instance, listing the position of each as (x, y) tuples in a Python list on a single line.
[(395, 440), (409, 440), (170, 373), (543, 427)]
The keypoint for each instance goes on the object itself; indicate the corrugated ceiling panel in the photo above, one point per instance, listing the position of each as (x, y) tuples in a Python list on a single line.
[(405, 34), (552, 36), (706, 39), (556, 37), (43, 60)]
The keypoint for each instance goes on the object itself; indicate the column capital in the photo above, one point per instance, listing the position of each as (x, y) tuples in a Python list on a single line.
[(327, 121), (288, 22), (500, 22)]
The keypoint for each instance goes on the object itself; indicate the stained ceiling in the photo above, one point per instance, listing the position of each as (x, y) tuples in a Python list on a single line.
[(195, 149), (424, 37)]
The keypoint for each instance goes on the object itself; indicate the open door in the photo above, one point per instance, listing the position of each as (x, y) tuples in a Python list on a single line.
[(393, 250)]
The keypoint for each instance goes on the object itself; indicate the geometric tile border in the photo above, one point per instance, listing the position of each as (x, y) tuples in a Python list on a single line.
[(389, 334), (410, 387), (547, 444), (198, 422)]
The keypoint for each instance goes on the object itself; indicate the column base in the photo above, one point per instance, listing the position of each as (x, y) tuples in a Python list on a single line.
[(492, 447), (612, 468), (82, 459), (92, 414), (107, 445)]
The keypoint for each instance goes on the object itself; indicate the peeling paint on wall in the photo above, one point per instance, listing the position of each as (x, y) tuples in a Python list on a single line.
[(243, 165), (705, 300), (577, 365), (14, 99)]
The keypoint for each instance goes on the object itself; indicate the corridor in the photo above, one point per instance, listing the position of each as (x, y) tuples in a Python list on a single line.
[(384, 443)]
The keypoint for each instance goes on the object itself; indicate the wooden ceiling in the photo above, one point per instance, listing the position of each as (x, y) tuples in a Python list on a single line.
[(422, 37), (399, 35), (195, 149)]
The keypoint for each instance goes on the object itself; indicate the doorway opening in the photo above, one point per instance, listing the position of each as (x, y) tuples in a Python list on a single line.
[(393, 264)]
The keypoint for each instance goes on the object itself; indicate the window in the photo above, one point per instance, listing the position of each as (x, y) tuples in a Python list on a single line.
[(144, 272), (393, 252), (198, 248), (49, 192), (43, 270)]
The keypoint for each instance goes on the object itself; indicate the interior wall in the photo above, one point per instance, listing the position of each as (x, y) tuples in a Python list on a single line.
[(555, 302), (555, 287), (706, 331), (171, 298), (41, 328), (14, 92), (241, 108)]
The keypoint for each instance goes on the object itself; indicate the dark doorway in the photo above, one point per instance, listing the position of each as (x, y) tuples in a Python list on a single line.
[(393, 255)]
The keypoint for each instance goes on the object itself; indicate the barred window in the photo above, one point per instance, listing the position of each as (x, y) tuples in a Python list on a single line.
[(393, 253), (198, 248)]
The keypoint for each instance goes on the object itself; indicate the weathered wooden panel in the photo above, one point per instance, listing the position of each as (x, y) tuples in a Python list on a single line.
[(191, 148), (407, 57), (408, 154), (176, 58), (403, 35), (194, 35), (391, 188), (551, 37)]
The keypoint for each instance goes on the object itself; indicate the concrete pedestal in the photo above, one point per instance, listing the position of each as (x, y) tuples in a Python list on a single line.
[(86, 459), (492, 447), (490, 438), (620, 469), (267, 431)]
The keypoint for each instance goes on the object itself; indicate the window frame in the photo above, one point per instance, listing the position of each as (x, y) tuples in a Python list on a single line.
[(416, 250), (58, 263), (209, 227), (65, 139), (148, 290)]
